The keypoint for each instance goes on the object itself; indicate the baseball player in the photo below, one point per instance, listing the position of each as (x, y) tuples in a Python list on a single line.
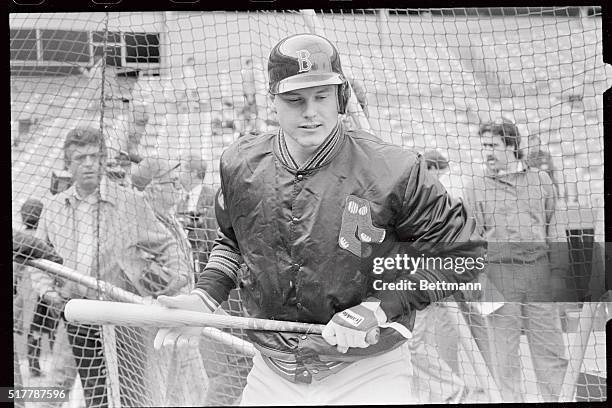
[(305, 209)]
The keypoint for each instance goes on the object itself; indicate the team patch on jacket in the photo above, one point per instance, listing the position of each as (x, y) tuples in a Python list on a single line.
[(357, 226)]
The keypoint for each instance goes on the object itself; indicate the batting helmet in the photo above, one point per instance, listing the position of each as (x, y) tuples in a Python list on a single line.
[(435, 159), (306, 60)]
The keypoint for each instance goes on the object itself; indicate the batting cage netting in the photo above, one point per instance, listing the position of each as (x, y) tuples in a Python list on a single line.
[(174, 89)]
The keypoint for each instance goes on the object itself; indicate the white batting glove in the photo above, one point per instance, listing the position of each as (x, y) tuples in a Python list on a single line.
[(350, 327), (180, 336)]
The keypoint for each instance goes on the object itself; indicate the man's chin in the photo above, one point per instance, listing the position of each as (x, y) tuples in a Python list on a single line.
[(89, 183), (490, 168)]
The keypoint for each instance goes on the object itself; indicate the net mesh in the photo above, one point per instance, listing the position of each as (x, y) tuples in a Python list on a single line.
[(183, 84)]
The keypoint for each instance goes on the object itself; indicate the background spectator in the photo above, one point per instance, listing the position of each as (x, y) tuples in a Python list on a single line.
[(197, 209), (514, 208)]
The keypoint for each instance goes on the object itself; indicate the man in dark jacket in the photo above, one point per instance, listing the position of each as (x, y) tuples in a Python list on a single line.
[(311, 211), (45, 319)]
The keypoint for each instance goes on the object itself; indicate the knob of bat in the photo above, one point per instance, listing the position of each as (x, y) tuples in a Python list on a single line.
[(373, 336)]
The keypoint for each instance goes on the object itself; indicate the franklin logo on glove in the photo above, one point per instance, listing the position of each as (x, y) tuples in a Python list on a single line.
[(352, 317), (356, 326)]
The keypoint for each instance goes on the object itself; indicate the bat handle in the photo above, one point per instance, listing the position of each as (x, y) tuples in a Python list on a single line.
[(373, 336)]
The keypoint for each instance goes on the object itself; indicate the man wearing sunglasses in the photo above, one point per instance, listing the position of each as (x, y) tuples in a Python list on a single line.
[(157, 178), (159, 181)]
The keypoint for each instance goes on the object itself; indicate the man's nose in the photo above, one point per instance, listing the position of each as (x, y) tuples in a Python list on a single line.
[(309, 109), (89, 160)]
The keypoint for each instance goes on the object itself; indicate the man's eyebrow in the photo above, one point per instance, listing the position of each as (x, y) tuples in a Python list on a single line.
[(291, 93)]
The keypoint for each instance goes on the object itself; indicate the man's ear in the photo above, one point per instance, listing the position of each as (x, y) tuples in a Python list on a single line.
[(67, 156), (150, 192), (272, 98), (103, 159)]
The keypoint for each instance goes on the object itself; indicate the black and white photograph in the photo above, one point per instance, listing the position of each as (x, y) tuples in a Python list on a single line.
[(343, 206)]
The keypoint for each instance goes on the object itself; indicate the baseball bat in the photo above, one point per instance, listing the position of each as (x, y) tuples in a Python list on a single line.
[(483, 375), (577, 350), (89, 281), (115, 292), (127, 314)]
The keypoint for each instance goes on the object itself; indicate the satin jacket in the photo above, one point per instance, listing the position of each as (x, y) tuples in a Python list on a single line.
[(308, 238)]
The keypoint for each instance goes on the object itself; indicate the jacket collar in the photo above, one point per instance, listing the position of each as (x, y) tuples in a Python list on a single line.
[(509, 177), (323, 155), (72, 197)]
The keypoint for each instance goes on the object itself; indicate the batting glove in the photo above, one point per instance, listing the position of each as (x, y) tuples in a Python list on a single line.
[(350, 327), (180, 336)]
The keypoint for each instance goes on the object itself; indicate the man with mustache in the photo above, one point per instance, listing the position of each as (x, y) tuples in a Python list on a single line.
[(515, 210)]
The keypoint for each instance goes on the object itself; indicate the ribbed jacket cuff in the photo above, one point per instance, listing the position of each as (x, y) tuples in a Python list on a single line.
[(210, 303)]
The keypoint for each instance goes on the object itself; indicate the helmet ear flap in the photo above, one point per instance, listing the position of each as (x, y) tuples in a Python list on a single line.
[(344, 93)]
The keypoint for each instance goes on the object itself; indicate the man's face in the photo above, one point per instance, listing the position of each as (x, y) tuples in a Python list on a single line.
[(496, 154), (307, 116), (189, 177), (85, 165)]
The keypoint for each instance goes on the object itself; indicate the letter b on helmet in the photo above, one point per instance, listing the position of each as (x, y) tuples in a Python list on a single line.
[(304, 61)]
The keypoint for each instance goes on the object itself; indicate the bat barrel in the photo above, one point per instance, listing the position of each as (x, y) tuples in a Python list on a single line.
[(127, 314), (138, 315), (125, 296)]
